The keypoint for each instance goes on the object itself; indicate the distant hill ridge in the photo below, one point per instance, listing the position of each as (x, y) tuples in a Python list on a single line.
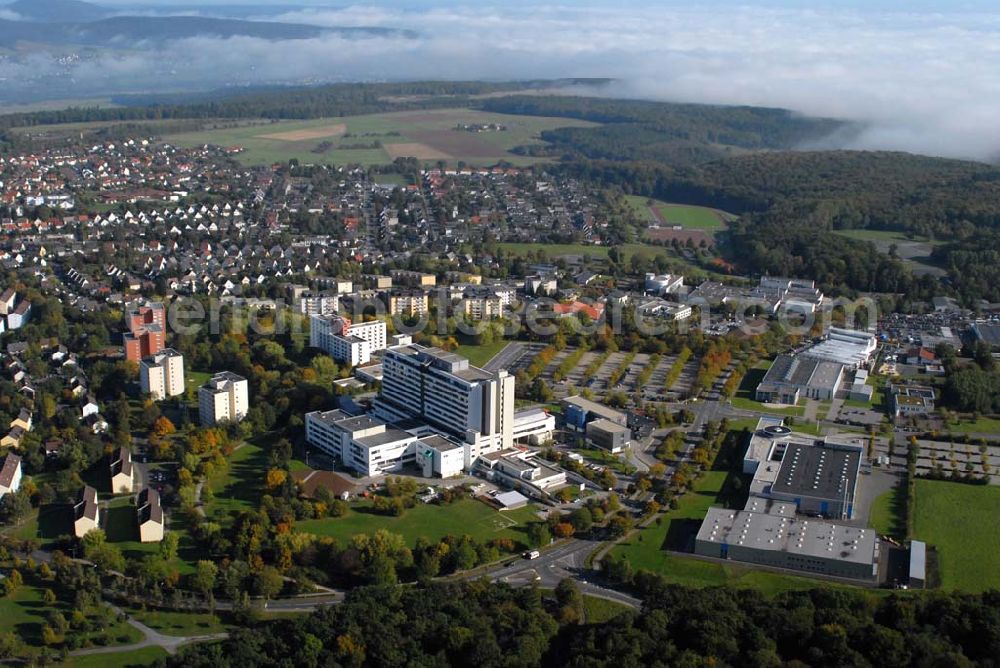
[(57, 11), (75, 22)]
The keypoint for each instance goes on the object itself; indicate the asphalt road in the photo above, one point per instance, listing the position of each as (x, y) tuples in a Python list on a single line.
[(566, 560)]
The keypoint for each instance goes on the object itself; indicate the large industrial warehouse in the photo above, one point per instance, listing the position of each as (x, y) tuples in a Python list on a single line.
[(768, 533)]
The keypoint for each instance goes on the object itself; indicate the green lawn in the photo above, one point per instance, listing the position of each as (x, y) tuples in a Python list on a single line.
[(119, 523), (888, 513), (480, 355), (646, 549), (24, 612), (983, 425), (179, 623), (139, 657), (599, 610), (434, 128), (238, 487), (47, 524), (431, 521), (195, 379), (745, 403), (960, 521)]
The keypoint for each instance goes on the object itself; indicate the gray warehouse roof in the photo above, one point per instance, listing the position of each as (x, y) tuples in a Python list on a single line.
[(805, 537), (818, 471)]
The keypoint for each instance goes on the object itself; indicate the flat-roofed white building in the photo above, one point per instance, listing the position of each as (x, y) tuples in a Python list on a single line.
[(441, 456), (663, 284), (224, 398), (364, 443), (318, 304), (768, 533), (817, 475), (346, 341), (849, 347), (534, 426), (608, 435), (522, 471), (791, 377), (162, 374)]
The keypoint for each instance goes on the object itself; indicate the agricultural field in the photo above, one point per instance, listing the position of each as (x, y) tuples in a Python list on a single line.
[(375, 139), (959, 521), (431, 521)]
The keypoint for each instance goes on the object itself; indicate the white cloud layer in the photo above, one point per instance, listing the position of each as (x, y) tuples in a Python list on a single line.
[(921, 81)]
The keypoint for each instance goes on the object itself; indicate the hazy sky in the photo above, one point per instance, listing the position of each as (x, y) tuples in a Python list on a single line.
[(924, 74)]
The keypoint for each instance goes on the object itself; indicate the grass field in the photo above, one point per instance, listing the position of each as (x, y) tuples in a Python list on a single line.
[(431, 521), (887, 513), (915, 252), (119, 524), (960, 521), (24, 612), (983, 425), (599, 610), (689, 217), (139, 657), (426, 135), (195, 379), (179, 623), (480, 355), (238, 488)]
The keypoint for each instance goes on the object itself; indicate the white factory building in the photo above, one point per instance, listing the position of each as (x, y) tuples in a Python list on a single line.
[(162, 374), (769, 533), (849, 347)]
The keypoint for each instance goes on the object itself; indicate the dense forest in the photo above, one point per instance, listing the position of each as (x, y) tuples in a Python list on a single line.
[(280, 103), (793, 202), (665, 132), (481, 624)]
